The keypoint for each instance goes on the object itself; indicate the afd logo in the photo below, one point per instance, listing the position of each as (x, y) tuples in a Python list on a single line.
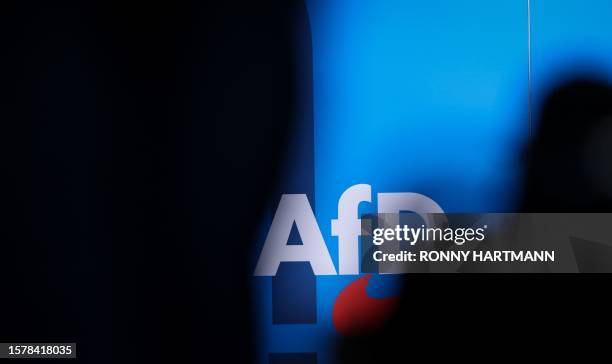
[(295, 209)]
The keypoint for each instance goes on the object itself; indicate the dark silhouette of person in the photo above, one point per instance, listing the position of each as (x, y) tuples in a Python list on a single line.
[(569, 160), (466, 316)]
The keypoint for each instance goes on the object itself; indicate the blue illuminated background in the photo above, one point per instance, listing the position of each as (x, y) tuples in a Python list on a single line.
[(429, 97)]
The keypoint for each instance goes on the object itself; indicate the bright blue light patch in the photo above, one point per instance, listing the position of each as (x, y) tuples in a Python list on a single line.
[(427, 97)]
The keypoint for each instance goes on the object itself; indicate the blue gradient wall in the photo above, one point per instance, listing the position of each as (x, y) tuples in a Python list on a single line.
[(429, 97)]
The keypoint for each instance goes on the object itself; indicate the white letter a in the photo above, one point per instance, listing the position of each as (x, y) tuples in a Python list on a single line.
[(294, 208)]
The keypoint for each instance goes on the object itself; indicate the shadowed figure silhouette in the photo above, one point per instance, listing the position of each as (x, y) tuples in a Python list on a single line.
[(454, 316), (569, 161)]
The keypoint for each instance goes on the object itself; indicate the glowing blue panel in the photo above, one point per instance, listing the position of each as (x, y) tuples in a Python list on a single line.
[(569, 38)]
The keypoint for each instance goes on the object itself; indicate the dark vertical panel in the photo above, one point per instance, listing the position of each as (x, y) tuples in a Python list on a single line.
[(294, 287)]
